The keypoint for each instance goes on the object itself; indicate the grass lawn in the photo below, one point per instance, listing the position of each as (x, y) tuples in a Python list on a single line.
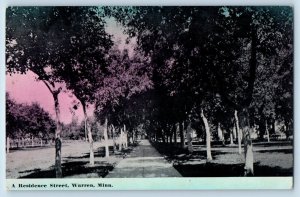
[(270, 159), (39, 162)]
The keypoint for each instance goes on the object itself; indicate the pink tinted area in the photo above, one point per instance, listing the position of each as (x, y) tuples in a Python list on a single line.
[(26, 89)]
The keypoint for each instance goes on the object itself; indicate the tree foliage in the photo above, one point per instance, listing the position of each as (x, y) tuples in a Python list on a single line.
[(27, 120)]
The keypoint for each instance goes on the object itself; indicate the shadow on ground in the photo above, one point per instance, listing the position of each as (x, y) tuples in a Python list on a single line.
[(285, 151), (72, 168), (226, 163), (229, 170), (80, 165)]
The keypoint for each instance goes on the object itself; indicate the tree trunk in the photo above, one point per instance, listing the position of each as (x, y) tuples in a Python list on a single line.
[(85, 131), (125, 137), (85, 125), (120, 139), (267, 131), (208, 140), (175, 133), (88, 134), (189, 137), (114, 138), (136, 136), (262, 127), (234, 132), (106, 139), (231, 138), (85, 120), (7, 144), (133, 136), (55, 91), (90, 137), (58, 170), (163, 137), (248, 150), (275, 126), (41, 142), (223, 138), (287, 129), (171, 136), (238, 131), (220, 133), (32, 143), (181, 132)]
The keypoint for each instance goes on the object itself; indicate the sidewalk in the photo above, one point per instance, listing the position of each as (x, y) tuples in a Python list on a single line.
[(143, 161)]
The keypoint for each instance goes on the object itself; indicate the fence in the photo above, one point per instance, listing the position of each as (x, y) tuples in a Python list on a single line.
[(21, 143), (27, 142)]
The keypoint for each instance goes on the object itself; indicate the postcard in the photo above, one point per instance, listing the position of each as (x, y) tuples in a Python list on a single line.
[(149, 97)]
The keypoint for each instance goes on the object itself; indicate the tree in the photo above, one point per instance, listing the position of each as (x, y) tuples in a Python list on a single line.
[(83, 61), (125, 77), (26, 38), (27, 119), (179, 34), (43, 40), (257, 36), (190, 45)]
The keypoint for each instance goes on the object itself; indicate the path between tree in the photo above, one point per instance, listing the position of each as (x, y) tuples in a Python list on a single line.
[(144, 161)]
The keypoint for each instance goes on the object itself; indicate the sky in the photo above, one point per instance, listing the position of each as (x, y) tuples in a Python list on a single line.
[(24, 88)]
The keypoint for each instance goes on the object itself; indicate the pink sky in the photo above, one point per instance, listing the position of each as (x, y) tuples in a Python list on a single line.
[(26, 89)]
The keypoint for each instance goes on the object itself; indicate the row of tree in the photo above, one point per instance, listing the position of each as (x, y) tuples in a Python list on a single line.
[(193, 67), (69, 47), (222, 65)]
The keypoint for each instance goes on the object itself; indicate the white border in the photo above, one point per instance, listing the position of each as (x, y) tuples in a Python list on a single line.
[(175, 183), (4, 3)]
